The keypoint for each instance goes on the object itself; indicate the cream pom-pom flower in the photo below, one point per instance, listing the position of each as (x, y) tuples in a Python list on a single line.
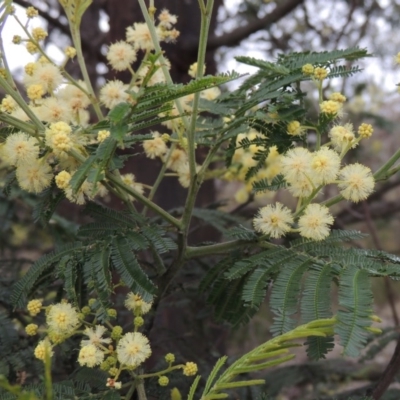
[(74, 97), (135, 302), (133, 349), (326, 165), (296, 164), (53, 109), (113, 93), (90, 356), (342, 137), (356, 182), (121, 55), (34, 175), (302, 187), (62, 318), (155, 147), (140, 37), (47, 75), (20, 147), (315, 222), (274, 220)]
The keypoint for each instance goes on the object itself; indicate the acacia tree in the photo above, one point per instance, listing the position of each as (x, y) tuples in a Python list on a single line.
[(183, 53)]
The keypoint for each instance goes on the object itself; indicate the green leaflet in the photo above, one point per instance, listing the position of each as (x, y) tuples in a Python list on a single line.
[(285, 293), (126, 264), (316, 304), (355, 300), (24, 286)]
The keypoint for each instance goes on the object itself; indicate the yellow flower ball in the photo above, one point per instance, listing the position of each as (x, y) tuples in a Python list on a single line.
[(190, 369)]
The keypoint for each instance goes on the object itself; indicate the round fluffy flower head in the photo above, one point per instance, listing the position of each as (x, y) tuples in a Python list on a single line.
[(177, 158), (121, 55), (90, 356), (48, 75), (342, 137), (135, 302), (102, 135), (34, 175), (326, 165), (273, 220), (302, 187), (53, 109), (34, 307), (295, 164), (314, 223), (365, 130), (155, 147), (62, 179), (320, 73), (63, 318), (31, 329), (166, 19), (133, 349), (356, 182), (190, 369), (140, 37), (43, 347), (330, 107), (20, 147), (336, 96), (95, 336), (74, 97), (113, 93), (8, 104), (294, 128), (307, 69), (17, 39), (35, 92)]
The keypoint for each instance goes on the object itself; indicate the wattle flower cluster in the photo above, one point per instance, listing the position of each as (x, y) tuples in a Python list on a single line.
[(102, 346), (307, 172)]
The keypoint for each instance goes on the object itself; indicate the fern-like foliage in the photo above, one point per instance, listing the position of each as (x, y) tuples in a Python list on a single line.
[(274, 91), (114, 241), (302, 276)]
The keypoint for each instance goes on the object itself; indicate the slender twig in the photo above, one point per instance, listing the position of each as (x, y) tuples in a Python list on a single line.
[(388, 375)]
